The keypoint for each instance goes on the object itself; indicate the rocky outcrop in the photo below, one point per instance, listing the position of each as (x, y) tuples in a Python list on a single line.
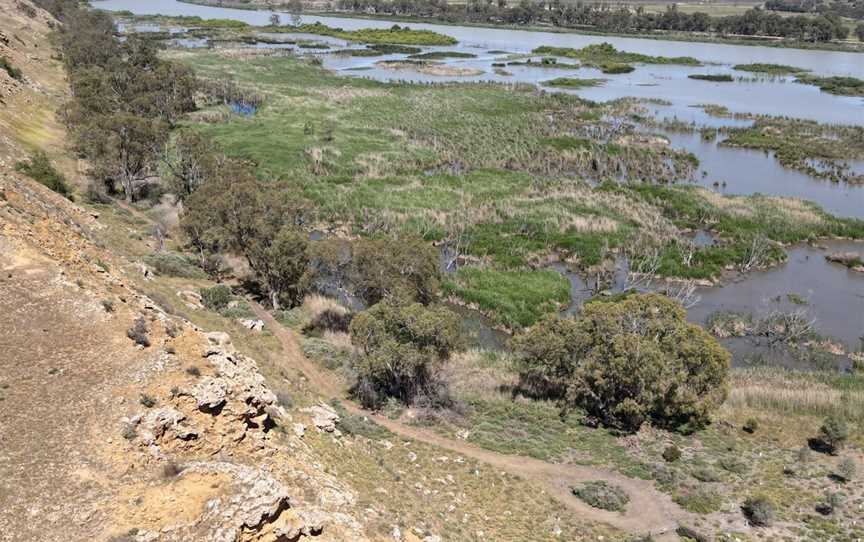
[(323, 417)]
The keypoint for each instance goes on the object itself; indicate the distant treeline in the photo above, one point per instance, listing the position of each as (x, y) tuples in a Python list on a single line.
[(125, 99), (854, 9), (609, 18)]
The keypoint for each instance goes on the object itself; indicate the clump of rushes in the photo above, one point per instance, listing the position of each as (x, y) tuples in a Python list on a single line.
[(716, 78), (600, 53), (771, 69), (396, 34), (573, 82)]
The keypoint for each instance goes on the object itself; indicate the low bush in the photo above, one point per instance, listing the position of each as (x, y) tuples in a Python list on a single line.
[(672, 453), (173, 264), (40, 169), (330, 320), (733, 465), (751, 425), (7, 66), (603, 495), (138, 332), (832, 503), (759, 511), (699, 500), (216, 298), (846, 470), (706, 474)]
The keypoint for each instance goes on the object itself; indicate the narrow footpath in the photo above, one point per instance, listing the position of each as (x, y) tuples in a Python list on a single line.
[(649, 511)]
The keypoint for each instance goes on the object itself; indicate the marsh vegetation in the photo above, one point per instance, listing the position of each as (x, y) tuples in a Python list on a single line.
[(376, 217)]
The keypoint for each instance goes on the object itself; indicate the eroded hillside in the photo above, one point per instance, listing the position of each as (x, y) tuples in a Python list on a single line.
[(120, 421)]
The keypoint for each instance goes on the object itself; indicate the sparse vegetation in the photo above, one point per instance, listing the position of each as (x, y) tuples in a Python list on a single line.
[(573, 82), (771, 69), (40, 169), (12, 71), (138, 332)]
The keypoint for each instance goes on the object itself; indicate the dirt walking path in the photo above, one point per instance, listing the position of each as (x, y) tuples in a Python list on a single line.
[(649, 511)]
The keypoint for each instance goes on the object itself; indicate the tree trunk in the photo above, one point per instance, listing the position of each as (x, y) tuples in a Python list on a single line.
[(274, 300)]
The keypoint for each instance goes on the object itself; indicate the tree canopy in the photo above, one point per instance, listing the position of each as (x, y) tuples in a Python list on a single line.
[(627, 362)]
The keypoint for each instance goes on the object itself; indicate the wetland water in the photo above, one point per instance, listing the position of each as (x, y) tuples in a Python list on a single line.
[(761, 95), (834, 295)]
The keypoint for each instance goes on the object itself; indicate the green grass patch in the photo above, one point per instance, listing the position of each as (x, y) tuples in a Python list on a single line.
[(573, 82), (613, 68), (440, 55), (771, 69), (513, 298), (842, 86), (600, 53), (396, 34), (716, 78)]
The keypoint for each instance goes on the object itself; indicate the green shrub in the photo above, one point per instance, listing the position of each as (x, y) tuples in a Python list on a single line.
[(173, 264), (216, 298), (672, 453), (759, 511), (716, 78), (138, 332), (846, 470), (13, 72), (706, 474), (733, 465), (834, 433), (627, 361), (832, 503), (751, 425), (603, 495), (39, 169), (401, 348), (699, 500)]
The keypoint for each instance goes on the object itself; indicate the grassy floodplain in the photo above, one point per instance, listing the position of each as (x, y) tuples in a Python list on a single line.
[(502, 172)]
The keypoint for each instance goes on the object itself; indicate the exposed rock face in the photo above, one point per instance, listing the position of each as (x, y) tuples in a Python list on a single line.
[(157, 422), (323, 416), (230, 413)]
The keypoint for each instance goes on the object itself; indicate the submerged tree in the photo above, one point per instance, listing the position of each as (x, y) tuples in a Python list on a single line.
[(626, 362)]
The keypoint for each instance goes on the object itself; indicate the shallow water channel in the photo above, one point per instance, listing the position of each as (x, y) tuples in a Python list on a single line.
[(834, 296)]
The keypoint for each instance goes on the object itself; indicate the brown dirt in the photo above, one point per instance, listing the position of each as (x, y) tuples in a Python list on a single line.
[(649, 512)]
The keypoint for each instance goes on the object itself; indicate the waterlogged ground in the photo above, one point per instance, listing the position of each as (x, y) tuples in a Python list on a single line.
[(753, 94), (831, 294)]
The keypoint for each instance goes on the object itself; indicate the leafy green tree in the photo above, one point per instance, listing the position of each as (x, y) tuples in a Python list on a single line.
[(834, 433), (403, 267), (238, 214), (401, 349), (628, 361), (282, 265), (190, 160)]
